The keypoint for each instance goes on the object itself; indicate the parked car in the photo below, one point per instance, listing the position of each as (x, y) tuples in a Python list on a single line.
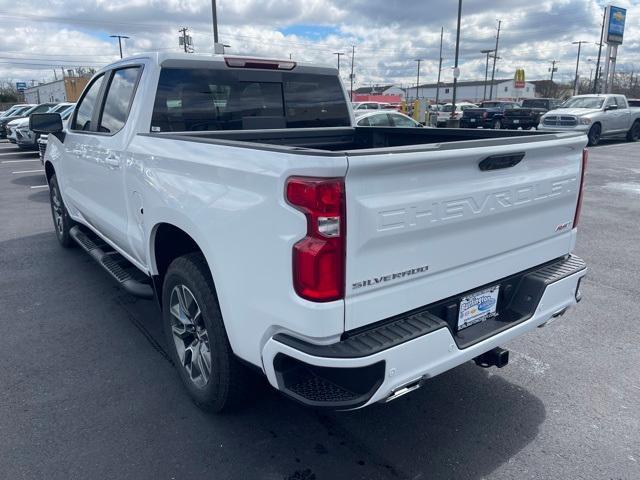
[(4, 122), (599, 116), (489, 114), (15, 108), (529, 113), (444, 113), (347, 264), (385, 119), (26, 138), (371, 106), (18, 112)]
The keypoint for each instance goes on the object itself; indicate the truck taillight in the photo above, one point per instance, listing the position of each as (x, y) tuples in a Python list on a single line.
[(319, 258), (585, 159)]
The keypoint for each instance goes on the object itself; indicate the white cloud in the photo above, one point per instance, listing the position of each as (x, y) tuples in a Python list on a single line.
[(389, 35)]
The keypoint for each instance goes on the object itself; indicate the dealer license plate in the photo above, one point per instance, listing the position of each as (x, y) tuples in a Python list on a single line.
[(473, 120), (516, 121), (478, 307)]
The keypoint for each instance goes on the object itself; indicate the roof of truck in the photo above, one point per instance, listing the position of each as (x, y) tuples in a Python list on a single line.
[(163, 57)]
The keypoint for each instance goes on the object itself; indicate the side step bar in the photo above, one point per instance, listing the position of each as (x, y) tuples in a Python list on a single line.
[(129, 277)]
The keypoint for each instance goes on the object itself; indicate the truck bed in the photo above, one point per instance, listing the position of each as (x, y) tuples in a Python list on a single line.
[(360, 140)]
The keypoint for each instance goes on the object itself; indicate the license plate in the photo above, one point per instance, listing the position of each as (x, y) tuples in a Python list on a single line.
[(473, 120), (516, 121), (477, 307)]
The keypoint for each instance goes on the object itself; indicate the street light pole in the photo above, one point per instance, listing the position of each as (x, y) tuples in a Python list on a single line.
[(595, 82), (486, 72), (214, 14), (455, 71), (495, 59), (439, 68), (119, 37), (418, 78), (339, 54), (575, 83)]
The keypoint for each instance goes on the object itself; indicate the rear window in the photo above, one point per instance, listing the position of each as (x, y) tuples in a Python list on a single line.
[(535, 103), (190, 99)]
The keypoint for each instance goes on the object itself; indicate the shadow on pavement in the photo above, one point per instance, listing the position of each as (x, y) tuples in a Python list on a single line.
[(30, 180), (41, 196), (98, 398)]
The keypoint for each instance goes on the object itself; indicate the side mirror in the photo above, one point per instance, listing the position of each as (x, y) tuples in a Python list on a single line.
[(45, 122), (610, 107)]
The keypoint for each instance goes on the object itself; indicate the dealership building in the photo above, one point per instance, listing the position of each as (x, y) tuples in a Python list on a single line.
[(67, 89), (474, 91)]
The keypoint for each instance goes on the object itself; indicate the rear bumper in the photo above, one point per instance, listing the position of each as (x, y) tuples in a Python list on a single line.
[(374, 365), (480, 122), (524, 123)]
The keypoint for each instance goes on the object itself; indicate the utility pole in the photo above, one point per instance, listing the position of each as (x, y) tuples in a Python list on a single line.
[(486, 72), (553, 68), (495, 58), (595, 82), (452, 122), (119, 37), (418, 78), (339, 54), (214, 16), (575, 83), (353, 58), (439, 68), (185, 39)]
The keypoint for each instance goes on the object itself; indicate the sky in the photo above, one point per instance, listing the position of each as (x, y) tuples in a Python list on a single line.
[(40, 36)]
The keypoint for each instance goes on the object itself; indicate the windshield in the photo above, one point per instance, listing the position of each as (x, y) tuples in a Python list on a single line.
[(447, 108), (583, 102), (534, 103), (194, 99)]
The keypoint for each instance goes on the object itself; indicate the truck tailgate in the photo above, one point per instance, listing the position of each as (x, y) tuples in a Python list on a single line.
[(426, 225)]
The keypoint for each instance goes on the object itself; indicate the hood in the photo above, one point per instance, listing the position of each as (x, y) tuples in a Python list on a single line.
[(576, 112), (19, 122)]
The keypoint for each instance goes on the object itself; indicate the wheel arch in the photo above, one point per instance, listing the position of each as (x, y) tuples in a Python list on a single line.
[(49, 170)]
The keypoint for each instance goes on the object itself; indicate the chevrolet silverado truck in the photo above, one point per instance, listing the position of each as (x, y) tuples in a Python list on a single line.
[(599, 116), (529, 113), (346, 264), (490, 114)]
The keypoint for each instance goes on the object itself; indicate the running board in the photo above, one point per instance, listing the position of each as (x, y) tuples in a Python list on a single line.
[(131, 279)]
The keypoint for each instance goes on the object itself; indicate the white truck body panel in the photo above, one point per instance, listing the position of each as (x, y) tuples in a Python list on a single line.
[(427, 206)]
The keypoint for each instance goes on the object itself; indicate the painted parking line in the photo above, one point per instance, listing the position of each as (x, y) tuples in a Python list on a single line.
[(20, 161), (19, 153), (27, 171), (39, 186)]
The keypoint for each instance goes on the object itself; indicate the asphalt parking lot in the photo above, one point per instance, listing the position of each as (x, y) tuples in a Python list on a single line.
[(87, 390)]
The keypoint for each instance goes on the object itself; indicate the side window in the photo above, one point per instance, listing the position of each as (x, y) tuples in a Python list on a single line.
[(380, 120), (84, 113), (364, 122), (119, 98), (622, 102), (400, 121), (610, 101)]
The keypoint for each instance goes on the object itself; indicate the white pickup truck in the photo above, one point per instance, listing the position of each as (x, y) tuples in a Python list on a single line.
[(599, 116), (346, 264)]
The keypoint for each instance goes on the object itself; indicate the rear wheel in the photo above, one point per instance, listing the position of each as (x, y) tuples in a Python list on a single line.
[(594, 135), (634, 133), (61, 220), (196, 336)]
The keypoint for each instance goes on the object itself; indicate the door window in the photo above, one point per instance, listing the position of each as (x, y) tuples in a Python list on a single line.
[(400, 121), (380, 120), (84, 113), (119, 98)]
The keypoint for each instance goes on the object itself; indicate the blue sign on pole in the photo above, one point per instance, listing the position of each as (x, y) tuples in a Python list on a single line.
[(616, 19), (21, 86)]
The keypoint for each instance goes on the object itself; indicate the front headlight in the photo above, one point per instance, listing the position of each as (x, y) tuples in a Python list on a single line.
[(585, 121)]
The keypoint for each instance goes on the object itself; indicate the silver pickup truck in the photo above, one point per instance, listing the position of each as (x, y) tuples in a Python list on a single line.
[(597, 115)]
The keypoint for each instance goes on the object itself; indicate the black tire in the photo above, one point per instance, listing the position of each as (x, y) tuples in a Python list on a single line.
[(62, 222), (634, 132), (228, 380), (594, 135), (496, 124)]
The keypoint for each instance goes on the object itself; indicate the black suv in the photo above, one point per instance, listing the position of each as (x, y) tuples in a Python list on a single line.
[(490, 114)]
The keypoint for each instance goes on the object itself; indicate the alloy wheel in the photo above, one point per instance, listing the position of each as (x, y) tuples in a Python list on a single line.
[(190, 335)]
